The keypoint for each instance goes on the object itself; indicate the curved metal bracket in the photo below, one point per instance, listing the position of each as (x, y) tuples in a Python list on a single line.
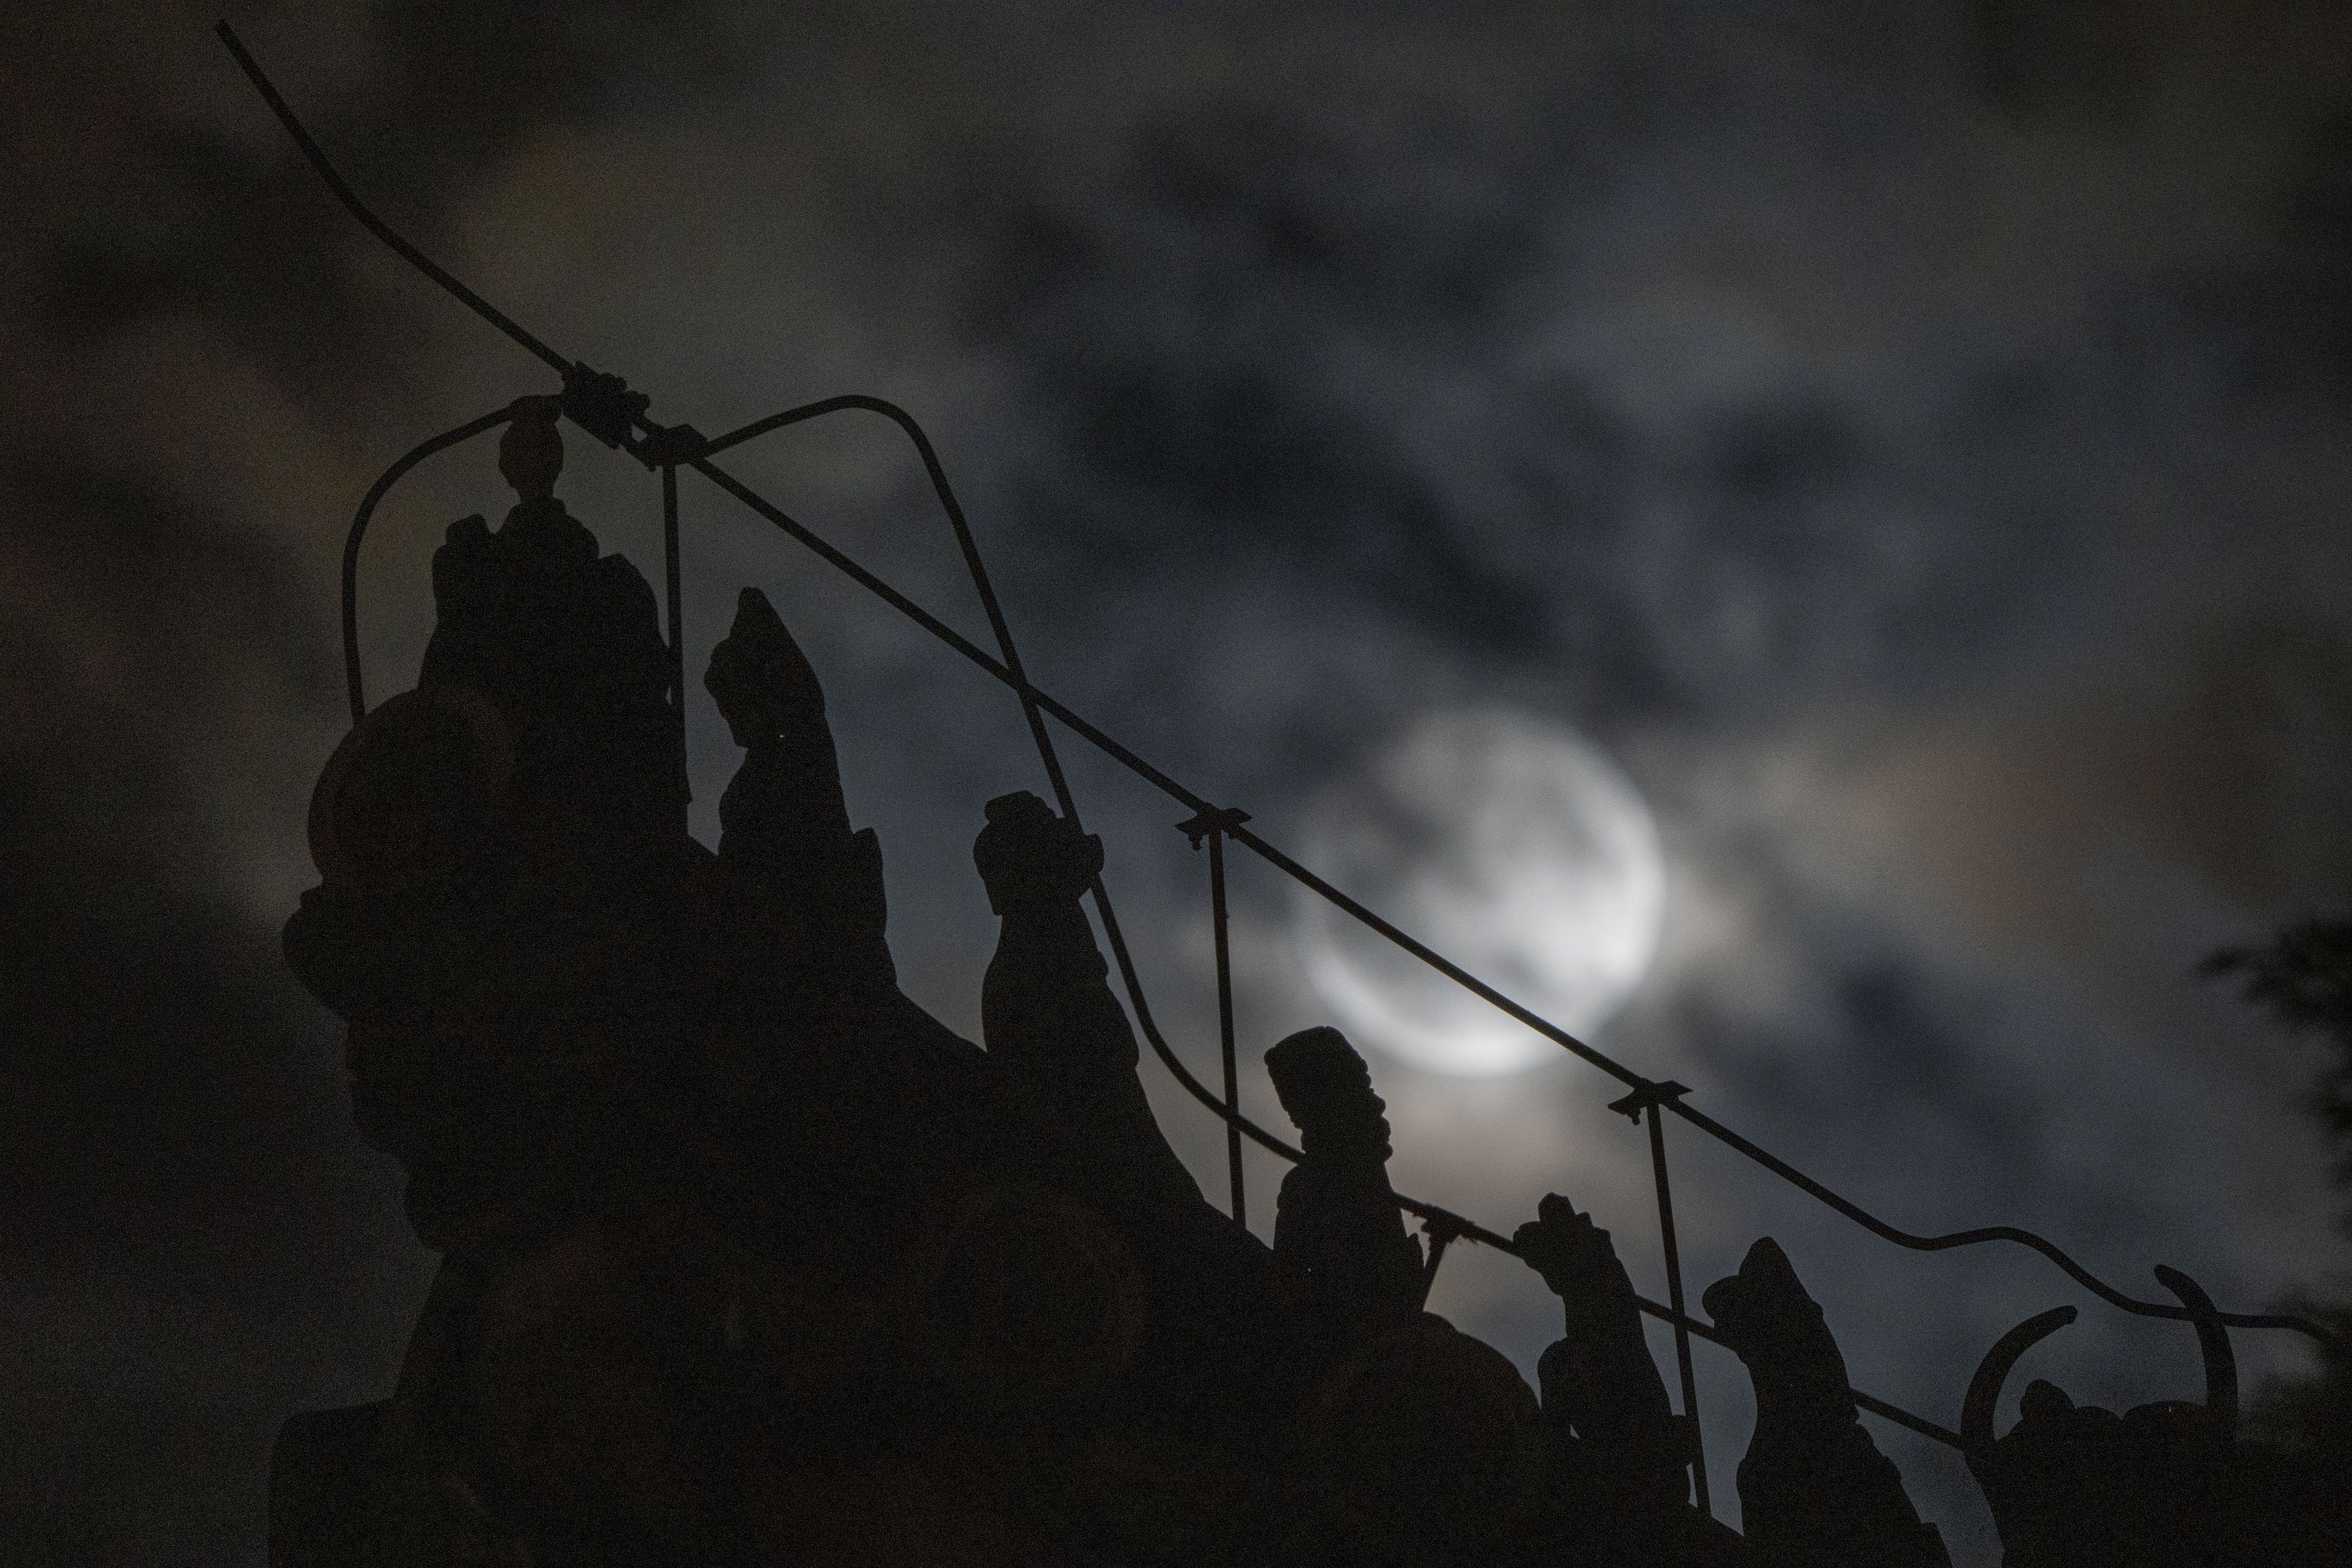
[(2213, 1346), (1977, 1410), (1032, 709), (415, 455), (602, 405)]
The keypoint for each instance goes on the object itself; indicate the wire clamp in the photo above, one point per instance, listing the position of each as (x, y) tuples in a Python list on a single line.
[(1213, 819), (1444, 1229), (1648, 1094), (602, 404), (670, 446)]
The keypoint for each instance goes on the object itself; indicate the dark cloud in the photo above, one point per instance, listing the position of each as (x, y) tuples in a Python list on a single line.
[(193, 1242), (1909, 437)]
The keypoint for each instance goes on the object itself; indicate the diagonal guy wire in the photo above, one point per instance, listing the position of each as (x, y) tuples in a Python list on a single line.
[(1037, 703)]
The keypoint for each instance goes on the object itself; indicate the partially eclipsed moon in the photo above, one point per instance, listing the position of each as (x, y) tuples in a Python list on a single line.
[(1512, 847)]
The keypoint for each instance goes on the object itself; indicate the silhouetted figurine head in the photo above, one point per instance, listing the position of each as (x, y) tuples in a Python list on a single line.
[(1576, 1260), (1812, 1486), (1768, 1320), (1327, 1091), (764, 685), (1028, 857), (1336, 1218), (1629, 1454), (531, 453)]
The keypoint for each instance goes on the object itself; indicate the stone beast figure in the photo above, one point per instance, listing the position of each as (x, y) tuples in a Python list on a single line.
[(2164, 1484), (1813, 1488), (742, 1253)]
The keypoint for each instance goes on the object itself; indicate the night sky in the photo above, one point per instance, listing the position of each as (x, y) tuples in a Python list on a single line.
[(1909, 439)]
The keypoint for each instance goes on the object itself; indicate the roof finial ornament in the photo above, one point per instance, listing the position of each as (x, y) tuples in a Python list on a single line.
[(531, 453)]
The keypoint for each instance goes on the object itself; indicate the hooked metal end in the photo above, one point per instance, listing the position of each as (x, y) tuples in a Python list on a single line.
[(1984, 1388), (2212, 1343)]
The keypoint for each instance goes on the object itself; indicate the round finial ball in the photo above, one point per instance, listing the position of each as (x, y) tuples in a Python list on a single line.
[(531, 454)]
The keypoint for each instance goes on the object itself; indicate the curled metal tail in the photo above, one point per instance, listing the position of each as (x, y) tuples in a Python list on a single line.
[(2212, 1343), (1984, 1388)]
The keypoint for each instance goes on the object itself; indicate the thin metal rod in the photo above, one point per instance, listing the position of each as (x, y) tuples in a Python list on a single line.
[(1452, 1223), (673, 594), (1009, 671), (1874, 1406), (1035, 703), (973, 565), (1675, 1299), (353, 680), (1032, 701), (1044, 702), (1716, 1129), (1225, 1018), (374, 225)]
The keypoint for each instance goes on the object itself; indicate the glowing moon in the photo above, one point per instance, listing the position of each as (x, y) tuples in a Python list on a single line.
[(1516, 849)]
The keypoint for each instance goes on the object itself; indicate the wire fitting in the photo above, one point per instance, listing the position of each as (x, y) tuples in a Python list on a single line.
[(1648, 1096), (669, 445), (602, 404), (1213, 819)]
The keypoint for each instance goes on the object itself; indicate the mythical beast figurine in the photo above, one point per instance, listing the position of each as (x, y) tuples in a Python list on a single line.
[(746, 1259)]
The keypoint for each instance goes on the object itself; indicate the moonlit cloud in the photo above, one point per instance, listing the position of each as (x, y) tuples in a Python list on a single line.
[(1519, 852)]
